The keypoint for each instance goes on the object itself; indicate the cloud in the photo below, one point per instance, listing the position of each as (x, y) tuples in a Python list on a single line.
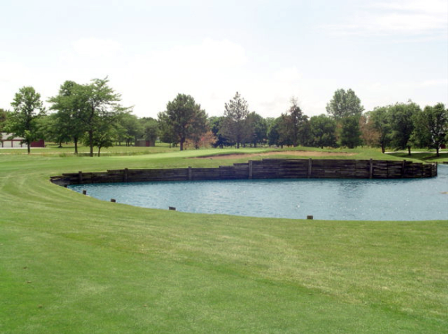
[(397, 17)]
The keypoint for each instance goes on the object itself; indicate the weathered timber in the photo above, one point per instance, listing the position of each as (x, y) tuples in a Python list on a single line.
[(261, 169)]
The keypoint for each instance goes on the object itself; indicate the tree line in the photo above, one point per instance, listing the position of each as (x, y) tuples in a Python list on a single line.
[(92, 114)]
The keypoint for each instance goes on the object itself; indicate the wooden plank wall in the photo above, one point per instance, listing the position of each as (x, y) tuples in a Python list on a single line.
[(262, 169)]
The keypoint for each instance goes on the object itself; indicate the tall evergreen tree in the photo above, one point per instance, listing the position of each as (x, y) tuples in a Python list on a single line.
[(235, 126)]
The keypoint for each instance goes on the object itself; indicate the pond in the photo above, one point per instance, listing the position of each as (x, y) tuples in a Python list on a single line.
[(329, 199)]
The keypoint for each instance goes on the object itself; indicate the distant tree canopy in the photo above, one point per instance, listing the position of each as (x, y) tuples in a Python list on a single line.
[(92, 114)]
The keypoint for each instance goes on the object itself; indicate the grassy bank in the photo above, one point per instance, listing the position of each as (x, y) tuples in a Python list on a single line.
[(74, 264)]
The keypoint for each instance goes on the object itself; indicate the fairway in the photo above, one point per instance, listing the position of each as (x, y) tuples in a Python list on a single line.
[(74, 264)]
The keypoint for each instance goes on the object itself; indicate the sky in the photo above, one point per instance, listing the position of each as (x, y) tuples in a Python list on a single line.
[(268, 51)]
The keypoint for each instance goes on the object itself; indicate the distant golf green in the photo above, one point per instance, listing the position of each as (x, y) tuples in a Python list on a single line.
[(74, 264)]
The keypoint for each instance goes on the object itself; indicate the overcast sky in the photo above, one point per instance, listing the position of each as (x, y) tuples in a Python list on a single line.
[(268, 51)]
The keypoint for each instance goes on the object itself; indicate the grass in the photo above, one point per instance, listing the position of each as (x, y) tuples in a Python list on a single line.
[(74, 264)]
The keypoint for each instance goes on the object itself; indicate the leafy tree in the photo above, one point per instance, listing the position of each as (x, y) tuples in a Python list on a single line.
[(431, 127), (278, 132), (350, 134), (345, 107), (3, 116), (70, 106), (49, 128), (104, 135), (344, 104), (183, 119), (235, 126), (201, 126), (305, 132), (323, 131), (402, 125), (150, 129), (129, 129), (215, 125), (100, 109), (257, 129), (167, 134), (369, 134), (380, 120), (28, 107)]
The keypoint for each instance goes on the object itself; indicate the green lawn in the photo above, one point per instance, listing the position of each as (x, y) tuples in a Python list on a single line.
[(73, 264)]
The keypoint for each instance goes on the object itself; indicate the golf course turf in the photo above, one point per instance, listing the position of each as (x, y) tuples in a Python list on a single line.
[(74, 264)]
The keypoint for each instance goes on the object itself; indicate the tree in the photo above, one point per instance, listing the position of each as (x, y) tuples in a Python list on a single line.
[(28, 107), (129, 129), (85, 108), (70, 105), (3, 115), (167, 134), (257, 129), (402, 125), (150, 129), (278, 132), (369, 134), (380, 120), (50, 129), (104, 135), (297, 127), (345, 107), (350, 134), (344, 104), (215, 125), (183, 119), (323, 131), (100, 108), (235, 126), (431, 127)]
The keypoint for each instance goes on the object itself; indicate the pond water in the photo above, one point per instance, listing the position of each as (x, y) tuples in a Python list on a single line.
[(329, 199)]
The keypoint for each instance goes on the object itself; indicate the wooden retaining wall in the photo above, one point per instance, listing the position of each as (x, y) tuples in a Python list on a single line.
[(262, 169)]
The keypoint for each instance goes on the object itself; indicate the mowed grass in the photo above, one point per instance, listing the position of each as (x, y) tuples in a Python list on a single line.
[(73, 264)]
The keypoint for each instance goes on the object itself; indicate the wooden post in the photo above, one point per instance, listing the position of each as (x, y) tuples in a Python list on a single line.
[(309, 217), (80, 176), (250, 169), (172, 208), (84, 192), (371, 169), (310, 166), (190, 173), (125, 175), (113, 200)]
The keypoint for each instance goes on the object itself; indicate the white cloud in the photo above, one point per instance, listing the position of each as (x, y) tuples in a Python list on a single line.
[(397, 17)]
